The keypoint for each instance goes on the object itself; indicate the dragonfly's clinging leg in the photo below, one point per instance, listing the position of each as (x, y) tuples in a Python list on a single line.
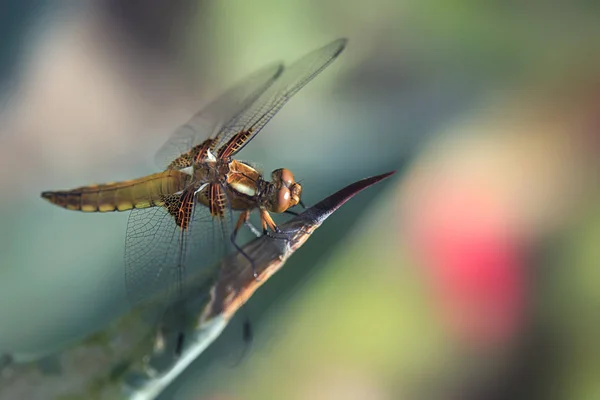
[(243, 219), (267, 221), (246, 256)]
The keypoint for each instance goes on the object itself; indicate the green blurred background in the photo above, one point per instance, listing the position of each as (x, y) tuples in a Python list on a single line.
[(473, 274)]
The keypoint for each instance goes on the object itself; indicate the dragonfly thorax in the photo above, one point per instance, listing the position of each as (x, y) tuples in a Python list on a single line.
[(211, 171), (246, 188)]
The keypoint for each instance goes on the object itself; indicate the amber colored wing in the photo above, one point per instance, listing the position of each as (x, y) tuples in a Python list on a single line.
[(160, 256), (243, 127), (211, 119)]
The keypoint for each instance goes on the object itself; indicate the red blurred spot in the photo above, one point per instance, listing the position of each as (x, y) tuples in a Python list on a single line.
[(474, 262)]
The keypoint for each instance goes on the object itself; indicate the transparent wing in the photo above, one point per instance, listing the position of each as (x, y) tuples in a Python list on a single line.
[(160, 256), (243, 127), (208, 121)]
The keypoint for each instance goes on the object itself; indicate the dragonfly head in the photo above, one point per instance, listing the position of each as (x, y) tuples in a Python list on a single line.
[(287, 191)]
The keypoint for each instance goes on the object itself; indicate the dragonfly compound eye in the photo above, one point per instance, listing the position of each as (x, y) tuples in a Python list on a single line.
[(283, 200), (284, 176), (287, 177)]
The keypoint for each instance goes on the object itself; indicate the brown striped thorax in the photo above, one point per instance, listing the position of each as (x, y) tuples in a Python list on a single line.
[(182, 217)]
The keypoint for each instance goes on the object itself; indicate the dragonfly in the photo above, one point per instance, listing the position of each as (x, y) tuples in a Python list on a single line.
[(183, 217)]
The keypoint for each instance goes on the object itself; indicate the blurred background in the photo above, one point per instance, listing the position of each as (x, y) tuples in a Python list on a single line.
[(472, 274)]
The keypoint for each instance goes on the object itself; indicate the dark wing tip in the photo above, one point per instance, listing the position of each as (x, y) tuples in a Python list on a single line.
[(47, 195)]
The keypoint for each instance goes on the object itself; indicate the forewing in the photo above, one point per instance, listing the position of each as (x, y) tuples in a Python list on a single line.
[(210, 120), (161, 257), (242, 128)]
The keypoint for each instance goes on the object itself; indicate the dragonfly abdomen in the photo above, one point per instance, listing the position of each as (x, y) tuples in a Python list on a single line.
[(143, 192)]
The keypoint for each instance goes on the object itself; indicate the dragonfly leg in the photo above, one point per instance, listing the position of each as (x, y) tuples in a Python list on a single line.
[(246, 256), (263, 223), (267, 221), (245, 220)]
